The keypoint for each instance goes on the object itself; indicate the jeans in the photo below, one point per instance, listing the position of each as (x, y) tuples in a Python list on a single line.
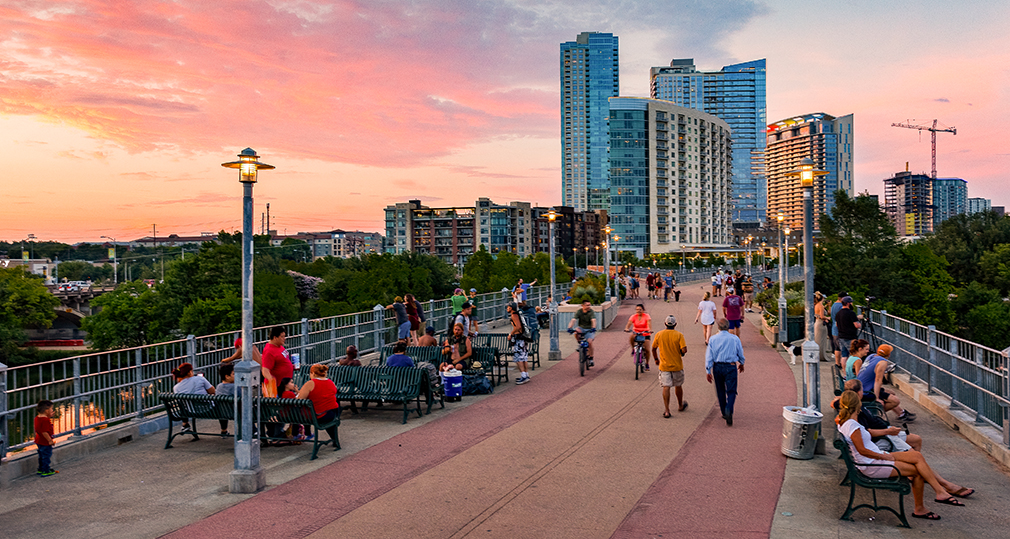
[(45, 457), (404, 330), (725, 386)]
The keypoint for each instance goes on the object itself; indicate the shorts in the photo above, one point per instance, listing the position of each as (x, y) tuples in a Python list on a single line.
[(403, 331), (877, 472), (843, 346), (734, 324), (519, 352), (589, 334), (748, 297), (652, 287), (671, 378)]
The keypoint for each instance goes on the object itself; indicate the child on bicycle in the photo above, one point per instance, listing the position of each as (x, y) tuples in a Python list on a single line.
[(586, 319), (641, 323)]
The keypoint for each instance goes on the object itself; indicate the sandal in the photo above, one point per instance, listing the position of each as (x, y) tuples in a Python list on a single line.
[(950, 501), (964, 492), (682, 407), (928, 516), (667, 415)]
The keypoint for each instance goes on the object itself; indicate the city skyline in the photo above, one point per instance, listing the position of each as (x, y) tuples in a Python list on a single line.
[(115, 118)]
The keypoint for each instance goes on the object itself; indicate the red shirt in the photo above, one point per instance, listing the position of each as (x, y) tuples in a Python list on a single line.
[(43, 424), (733, 305), (276, 360), (323, 396)]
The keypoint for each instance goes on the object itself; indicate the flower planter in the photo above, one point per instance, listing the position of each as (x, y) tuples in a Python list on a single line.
[(771, 332)]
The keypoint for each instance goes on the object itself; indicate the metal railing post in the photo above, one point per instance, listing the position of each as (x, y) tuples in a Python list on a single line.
[(138, 382), (4, 440), (333, 338), (379, 337), (931, 340), (979, 382), (304, 348), (77, 396), (357, 331), (191, 350)]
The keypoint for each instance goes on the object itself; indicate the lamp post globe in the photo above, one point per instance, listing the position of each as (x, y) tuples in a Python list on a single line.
[(248, 476)]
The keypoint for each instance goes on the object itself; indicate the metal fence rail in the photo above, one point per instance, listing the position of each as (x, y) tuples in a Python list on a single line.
[(93, 391), (972, 376)]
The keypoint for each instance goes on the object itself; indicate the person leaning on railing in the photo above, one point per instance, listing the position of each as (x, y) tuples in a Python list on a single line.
[(238, 353)]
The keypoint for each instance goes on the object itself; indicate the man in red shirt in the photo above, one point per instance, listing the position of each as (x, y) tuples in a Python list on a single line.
[(732, 309), (276, 361), (44, 437)]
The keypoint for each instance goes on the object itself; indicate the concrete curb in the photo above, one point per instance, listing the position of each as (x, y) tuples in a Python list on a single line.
[(25, 463), (987, 438)]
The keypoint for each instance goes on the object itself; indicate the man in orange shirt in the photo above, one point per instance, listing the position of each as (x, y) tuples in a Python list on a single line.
[(668, 349)]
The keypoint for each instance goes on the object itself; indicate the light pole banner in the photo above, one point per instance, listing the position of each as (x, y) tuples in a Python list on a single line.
[(112, 253), (24, 256)]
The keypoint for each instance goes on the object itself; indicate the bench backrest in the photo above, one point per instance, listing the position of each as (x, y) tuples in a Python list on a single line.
[(181, 406), (398, 382), (296, 411)]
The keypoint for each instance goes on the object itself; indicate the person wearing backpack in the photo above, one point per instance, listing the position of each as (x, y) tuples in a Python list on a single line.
[(520, 335)]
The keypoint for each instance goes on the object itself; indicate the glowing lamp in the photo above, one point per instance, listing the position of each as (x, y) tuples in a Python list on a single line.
[(248, 165)]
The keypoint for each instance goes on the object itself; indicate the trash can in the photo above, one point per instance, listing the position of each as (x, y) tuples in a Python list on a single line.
[(799, 432), (452, 382)]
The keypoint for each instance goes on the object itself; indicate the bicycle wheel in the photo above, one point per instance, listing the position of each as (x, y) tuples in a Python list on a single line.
[(582, 361), (638, 360)]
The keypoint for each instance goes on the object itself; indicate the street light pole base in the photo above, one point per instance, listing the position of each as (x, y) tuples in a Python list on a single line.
[(247, 481), (554, 355)]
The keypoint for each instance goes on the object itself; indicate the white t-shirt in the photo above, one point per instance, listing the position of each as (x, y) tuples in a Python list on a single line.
[(848, 430), (197, 385), (707, 309)]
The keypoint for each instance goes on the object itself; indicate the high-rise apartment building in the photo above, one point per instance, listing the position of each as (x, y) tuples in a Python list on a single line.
[(908, 202), (735, 94), (589, 76), (827, 141), (444, 232), (505, 228), (979, 205), (670, 175), (950, 198)]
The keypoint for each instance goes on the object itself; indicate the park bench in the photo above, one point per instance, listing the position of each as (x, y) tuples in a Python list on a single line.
[(181, 406), (401, 385), (487, 357), (505, 347), (854, 477), (838, 376)]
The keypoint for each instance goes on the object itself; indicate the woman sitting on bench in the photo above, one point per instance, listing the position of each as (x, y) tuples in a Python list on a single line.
[(323, 394), (910, 464), (187, 383)]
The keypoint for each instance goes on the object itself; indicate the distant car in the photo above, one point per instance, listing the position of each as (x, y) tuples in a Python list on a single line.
[(150, 282)]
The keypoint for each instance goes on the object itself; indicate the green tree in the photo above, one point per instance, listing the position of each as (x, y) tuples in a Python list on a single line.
[(920, 287), (990, 324), (477, 271), (505, 271), (994, 267), (857, 241), (24, 302), (129, 316), (964, 239)]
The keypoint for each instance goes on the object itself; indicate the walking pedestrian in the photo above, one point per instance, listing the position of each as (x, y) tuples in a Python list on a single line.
[(748, 293), (668, 350), (44, 433), (723, 360), (715, 283), (650, 283), (732, 309), (706, 315)]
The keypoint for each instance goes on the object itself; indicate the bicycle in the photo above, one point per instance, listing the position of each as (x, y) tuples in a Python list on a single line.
[(583, 351), (641, 357)]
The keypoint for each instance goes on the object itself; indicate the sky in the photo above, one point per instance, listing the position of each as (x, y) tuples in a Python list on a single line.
[(115, 116)]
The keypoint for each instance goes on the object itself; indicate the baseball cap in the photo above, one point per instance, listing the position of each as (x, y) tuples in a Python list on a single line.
[(885, 350), (671, 320), (473, 289), (847, 300), (466, 305)]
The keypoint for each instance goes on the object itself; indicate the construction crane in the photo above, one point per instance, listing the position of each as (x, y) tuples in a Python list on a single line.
[(932, 130)]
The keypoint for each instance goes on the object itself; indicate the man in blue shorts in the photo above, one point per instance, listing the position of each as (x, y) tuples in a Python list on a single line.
[(732, 309), (586, 319)]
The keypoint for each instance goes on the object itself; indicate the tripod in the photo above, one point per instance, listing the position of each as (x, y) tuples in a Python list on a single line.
[(866, 332)]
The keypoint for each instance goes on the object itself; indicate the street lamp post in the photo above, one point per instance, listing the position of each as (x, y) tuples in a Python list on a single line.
[(783, 326), (115, 260), (554, 354), (606, 258), (786, 244), (575, 260), (811, 352), (750, 239), (248, 476)]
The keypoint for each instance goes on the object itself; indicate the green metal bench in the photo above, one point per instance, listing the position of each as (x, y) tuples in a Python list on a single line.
[(181, 406), (487, 357), (298, 412), (403, 385), (506, 348), (854, 477)]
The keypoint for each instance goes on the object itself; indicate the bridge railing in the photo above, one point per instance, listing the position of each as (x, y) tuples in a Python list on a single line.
[(972, 376), (93, 391)]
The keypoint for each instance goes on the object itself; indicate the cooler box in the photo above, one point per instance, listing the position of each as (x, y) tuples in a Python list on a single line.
[(452, 382)]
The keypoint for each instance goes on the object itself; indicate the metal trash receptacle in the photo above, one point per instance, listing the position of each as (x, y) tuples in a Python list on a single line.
[(799, 432)]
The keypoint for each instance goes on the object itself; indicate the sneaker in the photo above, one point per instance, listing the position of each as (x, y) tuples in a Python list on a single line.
[(186, 429), (522, 381), (906, 416), (591, 362), (50, 472)]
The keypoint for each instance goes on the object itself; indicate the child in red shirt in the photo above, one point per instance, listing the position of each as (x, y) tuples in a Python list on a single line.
[(44, 437)]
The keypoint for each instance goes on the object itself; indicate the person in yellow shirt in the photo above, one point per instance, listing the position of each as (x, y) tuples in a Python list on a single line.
[(668, 349)]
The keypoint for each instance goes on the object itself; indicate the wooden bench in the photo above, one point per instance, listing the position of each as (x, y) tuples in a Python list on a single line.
[(180, 406), (854, 477), (402, 385), (487, 357)]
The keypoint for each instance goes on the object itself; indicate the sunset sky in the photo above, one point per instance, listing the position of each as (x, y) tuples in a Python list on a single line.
[(116, 115)]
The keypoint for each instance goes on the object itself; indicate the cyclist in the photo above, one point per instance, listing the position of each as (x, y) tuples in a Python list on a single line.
[(642, 323), (586, 319)]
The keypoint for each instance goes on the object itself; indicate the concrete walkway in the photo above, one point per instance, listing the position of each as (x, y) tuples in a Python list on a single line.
[(562, 456)]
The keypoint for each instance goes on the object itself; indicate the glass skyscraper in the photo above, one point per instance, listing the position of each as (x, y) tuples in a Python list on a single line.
[(589, 76), (737, 95), (950, 197)]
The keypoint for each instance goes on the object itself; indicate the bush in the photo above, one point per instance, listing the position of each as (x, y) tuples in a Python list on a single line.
[(589, 288)]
